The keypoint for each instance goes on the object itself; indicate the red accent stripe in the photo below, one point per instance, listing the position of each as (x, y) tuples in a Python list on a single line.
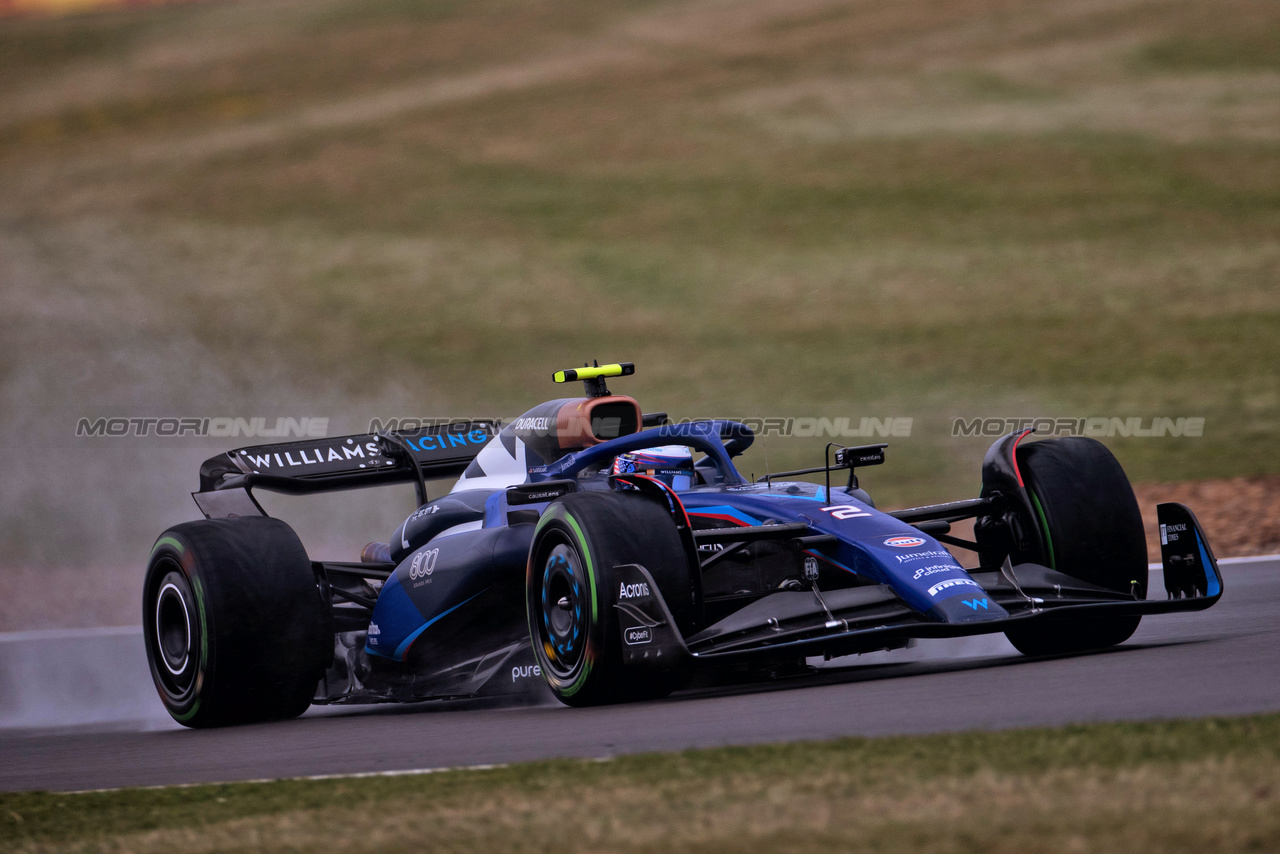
[(671, 493), (1014, 453)]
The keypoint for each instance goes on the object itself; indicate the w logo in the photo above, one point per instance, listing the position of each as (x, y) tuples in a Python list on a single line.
[(975, 604)]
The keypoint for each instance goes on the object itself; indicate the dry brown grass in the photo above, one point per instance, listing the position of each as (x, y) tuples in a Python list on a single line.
[(924, 208), (1241, 516), (1210, 805), (1195, 786)]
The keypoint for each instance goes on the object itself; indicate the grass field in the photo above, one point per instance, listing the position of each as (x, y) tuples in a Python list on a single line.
[(888, 208), (1198, 787)]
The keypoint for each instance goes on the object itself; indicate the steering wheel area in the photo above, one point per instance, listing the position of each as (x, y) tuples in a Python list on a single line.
[(719, 440)]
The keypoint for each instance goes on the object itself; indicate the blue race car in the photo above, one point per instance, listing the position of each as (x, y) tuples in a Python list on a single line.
[(613, 556)]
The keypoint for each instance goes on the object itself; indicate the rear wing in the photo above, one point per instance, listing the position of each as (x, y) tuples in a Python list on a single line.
[(342, 462)]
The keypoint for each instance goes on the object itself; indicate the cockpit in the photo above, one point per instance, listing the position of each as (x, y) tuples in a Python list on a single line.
[(551, 430)]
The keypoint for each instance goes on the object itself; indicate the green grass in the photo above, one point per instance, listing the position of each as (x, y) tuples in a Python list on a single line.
[(1204, 786), (907, 208), (1227, 43), (31, 46)]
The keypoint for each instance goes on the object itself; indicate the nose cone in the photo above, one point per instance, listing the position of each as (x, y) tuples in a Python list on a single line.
[(968, 607)]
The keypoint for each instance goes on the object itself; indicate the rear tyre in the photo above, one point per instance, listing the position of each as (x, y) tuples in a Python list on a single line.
[(1092, 530), (235, 627), (570, 589)]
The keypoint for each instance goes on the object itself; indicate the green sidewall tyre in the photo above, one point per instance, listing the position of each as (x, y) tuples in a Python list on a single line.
[(570, 592), (1092, 529), (233, 620)]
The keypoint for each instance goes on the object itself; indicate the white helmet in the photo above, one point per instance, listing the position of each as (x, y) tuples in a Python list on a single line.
[(672, 464)]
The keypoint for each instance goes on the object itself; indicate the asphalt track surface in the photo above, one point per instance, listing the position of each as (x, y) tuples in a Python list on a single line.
[(1224, 661)]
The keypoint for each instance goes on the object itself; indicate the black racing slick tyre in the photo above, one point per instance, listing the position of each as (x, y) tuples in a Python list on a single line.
[(570, 591), (235, 627), (1092, 530)]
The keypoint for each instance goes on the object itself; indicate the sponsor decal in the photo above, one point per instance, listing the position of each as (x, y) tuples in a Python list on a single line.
[(638, 635), (932, 554), (260, 459), (952, 582), (633, 591), (525, 671), (358, 452), (1169, 533), (904, 542), (846, 511), (447, 441), (540, 424), (374, 631), (711, 547), (530, 493), (425, 511), (544, 495), (924, 571), (975, 604), (424, 563), (811, 569)]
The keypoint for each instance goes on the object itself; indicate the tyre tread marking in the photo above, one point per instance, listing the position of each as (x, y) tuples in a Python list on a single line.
[(168, 541), (588, 659), (1044, 527), (198, 589)]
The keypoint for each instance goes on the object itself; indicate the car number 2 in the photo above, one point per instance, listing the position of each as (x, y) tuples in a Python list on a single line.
[(845, 511)]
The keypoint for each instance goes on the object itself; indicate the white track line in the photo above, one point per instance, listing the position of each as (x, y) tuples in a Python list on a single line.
[(70, 634), (408, 772), (1227, 561)]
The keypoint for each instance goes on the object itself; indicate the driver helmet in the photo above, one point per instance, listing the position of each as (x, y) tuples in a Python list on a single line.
[(671, 464)]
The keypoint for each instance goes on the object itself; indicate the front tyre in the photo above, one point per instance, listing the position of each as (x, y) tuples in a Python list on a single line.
[(1092, 530), (234, 624), (571, 587)]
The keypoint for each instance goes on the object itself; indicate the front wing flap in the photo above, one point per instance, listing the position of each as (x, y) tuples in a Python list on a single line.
[(864, 619)]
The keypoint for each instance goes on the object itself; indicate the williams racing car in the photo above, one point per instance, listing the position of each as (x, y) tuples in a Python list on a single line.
[(614, 555)]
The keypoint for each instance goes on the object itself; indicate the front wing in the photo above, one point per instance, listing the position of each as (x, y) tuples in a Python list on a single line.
[(864, 619)]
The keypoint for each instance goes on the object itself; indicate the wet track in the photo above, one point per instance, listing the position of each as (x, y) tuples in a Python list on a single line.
[(1224, 661)]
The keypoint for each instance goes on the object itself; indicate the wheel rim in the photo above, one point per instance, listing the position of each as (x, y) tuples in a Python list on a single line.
[(172, 634), (562, 610), (173, 630)]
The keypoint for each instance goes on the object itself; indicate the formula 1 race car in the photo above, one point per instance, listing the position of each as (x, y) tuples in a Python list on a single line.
[(613, 555)]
